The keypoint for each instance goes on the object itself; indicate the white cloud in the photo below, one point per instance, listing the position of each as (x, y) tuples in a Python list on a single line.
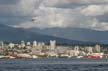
[(58, 17), (94, 1), (93, 10), (94, 24), (26, 7), (51, 17), (25, 25), (47, 13), (55, 2)]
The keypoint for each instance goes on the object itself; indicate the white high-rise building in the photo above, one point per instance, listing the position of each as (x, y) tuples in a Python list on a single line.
[(76, 48), (1, 44), (35, 44), (97, 48), (11, 45), (52, 45), (22, 44), (89, 49), (39, 46), (76, 51), (28, 44)]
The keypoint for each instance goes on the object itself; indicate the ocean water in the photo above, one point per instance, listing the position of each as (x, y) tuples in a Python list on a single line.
[(54, 64)]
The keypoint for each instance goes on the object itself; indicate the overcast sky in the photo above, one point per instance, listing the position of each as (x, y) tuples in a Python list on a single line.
[(92, 14)]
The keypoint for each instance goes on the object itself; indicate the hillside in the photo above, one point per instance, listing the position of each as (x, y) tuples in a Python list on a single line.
[(80, 34), (11, 34)]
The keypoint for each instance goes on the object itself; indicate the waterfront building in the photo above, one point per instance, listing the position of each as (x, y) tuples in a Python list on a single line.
[(52, 45), (43, 44), (37, 49), (35, 43), (19, 46), (40, 45), (73, 53), (76, 48), (52, 54), (22, 44), (82, 53), (28, 44), (28, 47), (11, 45), (89, 49), (97, 49), (1, 44), (61, 49)]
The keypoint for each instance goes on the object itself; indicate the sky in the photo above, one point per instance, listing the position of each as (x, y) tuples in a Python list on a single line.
[(91, 14)]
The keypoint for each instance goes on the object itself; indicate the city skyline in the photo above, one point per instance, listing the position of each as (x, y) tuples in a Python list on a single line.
[(36, 49)]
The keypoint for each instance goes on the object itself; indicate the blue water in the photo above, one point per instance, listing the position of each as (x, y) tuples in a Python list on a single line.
[(53, 64)]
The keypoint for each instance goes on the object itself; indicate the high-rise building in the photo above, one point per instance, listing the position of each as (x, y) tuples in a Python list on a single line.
[(76, 51), (35, 44), (28, 44), (1, 44), (52, 45), (11, 45), (89, 49), (76, 48), (39, 46), (22, 44), (97, 49)]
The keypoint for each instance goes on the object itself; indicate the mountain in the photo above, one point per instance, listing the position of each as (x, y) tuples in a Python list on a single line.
[(11, 34), (80, 34)]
